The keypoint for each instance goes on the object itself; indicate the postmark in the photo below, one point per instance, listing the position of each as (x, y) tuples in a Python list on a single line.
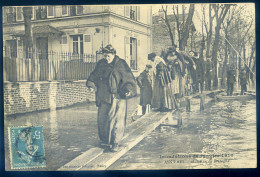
[(26, 147)]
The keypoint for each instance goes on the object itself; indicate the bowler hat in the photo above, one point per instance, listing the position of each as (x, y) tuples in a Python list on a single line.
[(109, 49), (149, 66)]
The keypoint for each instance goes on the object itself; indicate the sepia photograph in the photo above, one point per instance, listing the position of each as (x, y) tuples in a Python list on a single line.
[(129, 87)]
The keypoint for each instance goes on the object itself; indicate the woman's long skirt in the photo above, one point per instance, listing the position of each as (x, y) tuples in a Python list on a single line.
[(112, 121), (162, 96)]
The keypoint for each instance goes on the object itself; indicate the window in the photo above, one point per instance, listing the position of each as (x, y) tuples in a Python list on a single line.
[(42, 47), (41, 12), (134, 12), (79, 10), (87, 38), (11, 15), (64, 40), (19, 14), (77, 44), (33, 13), (4, 15), (64, 10), (76, 10), (72, 10), (133, 53), (50, 10)]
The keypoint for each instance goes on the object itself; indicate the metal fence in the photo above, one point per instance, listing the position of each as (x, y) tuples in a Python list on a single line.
[(39, 66)]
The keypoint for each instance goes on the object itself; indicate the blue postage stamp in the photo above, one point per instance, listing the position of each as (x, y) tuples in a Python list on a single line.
[(26, 147)]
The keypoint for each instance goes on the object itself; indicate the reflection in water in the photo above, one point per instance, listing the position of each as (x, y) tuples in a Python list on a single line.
[(54, 136)]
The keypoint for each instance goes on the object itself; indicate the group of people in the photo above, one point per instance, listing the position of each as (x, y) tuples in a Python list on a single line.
[(114, 83), (231, 80), (171, 76), (163, 81)]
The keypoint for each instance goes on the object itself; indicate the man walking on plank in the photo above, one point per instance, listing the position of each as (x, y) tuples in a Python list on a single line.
[(113, 82)]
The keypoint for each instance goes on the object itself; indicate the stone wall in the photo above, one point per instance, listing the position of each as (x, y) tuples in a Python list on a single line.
[(22, 97)]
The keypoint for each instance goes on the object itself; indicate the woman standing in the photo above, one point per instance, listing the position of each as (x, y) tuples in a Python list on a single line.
[(162, 93), (113, 82)]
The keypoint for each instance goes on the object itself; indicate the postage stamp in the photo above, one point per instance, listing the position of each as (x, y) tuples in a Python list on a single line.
[(26, 147)]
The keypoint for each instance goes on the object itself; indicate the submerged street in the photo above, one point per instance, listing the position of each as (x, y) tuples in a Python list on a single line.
[(225, 127)]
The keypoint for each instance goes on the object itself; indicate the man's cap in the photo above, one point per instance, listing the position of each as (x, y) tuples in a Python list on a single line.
[(149, 66)]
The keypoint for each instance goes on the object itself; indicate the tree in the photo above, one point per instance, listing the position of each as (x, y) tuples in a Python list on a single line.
[(28, 44), (28, 40), (184, 28), (167, 22), (187, 27), (209, 31), (220, 14)]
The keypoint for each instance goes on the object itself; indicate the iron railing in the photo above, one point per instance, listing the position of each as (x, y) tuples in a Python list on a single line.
[(49, 66)]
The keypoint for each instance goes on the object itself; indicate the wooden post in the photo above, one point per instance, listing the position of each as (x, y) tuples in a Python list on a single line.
[(179, 119), (202, 102), (187, 104)]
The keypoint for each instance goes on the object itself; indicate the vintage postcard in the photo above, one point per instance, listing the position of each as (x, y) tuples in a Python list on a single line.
[(129, 87)]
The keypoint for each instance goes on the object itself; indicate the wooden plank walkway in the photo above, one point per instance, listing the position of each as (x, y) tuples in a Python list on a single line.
[(98, 159)]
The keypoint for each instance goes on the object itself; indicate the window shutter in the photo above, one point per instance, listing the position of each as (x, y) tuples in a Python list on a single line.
[(64, 40), (127, 11), (138, 13), (127, 49)]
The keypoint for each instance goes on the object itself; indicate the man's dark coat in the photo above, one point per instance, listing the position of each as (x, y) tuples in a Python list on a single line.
[(112, 79), (144, 81)]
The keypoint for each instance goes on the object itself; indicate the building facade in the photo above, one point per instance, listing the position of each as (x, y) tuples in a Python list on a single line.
[(80, 30)]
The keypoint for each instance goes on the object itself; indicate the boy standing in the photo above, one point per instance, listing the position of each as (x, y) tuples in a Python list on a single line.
[(144, 81)]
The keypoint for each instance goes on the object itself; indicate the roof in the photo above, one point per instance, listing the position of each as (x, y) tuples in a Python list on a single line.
[(46, 29), (40, 30)]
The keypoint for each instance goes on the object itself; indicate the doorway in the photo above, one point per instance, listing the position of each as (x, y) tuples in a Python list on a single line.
[(42, 47)]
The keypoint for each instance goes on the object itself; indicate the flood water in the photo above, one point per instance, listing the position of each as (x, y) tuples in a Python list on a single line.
[(67, 132), (227, 127)]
